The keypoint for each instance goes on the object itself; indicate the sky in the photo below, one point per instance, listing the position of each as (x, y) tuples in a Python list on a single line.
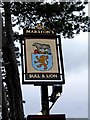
[(74, 99)]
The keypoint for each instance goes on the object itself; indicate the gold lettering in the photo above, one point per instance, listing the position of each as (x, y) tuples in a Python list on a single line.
[(35, 31), (32, 31), (52, 32), (34, 76), (27, 31), (51, 76), (43, 31), (31, 76), (39, 31), (55, 75), (47, 76), (47, 32), (43, 76), (38, 76)]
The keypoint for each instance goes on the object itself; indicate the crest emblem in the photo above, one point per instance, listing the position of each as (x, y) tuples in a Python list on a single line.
[(42, 57)]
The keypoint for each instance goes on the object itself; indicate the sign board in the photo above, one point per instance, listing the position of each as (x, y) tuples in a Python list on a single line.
[(46, 117), (41, 57)]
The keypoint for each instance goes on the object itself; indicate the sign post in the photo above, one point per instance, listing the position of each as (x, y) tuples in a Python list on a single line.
[(42, 62), (44, 100)]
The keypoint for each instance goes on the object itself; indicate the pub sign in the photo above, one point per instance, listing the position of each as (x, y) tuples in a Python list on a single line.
[(41, 57)]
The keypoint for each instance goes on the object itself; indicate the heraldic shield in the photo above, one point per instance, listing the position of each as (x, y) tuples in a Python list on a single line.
[(42, 59)]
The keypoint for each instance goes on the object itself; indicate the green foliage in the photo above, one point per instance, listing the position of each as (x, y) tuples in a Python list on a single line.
[(67, 18)]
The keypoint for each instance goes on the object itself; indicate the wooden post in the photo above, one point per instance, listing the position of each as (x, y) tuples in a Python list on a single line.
[(44, 100)]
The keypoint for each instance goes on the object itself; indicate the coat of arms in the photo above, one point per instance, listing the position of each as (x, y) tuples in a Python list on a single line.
[(42, 57)]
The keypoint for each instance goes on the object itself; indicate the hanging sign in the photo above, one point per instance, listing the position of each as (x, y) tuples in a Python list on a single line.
[(41, 57)]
